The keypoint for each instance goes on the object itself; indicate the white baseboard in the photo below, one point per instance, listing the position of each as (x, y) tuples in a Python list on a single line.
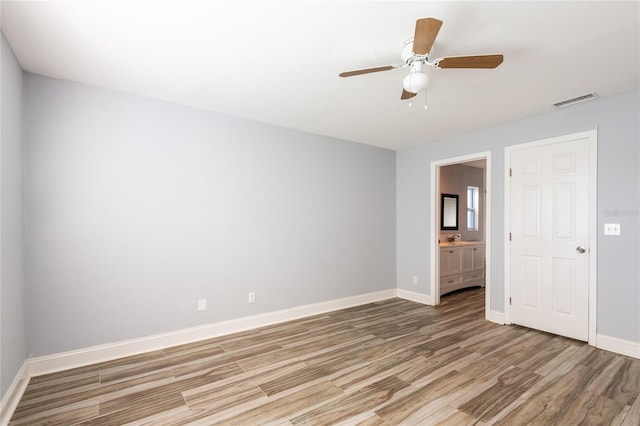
[(14, 393), (425, 299), (72, 359), (495, 316), (620, 346), (78, 358)]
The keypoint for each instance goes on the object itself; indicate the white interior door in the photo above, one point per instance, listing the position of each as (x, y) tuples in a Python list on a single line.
[(549, 216)]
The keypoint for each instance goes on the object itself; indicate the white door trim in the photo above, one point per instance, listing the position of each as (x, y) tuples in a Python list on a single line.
[(435, 225), (592, 135)]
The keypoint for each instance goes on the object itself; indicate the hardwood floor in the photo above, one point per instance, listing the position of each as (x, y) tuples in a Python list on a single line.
[(387, 363)]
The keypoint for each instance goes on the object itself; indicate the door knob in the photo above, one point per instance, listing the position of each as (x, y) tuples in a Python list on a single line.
[(580, 249)]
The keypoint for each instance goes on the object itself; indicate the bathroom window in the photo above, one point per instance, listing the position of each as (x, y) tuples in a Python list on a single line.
[(472, 207)]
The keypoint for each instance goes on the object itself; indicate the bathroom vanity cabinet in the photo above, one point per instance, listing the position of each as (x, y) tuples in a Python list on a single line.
[(461, 265)]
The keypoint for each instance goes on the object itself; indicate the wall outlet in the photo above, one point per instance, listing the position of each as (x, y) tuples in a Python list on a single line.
[(202, 304), (611, 229), (415, 279), (252, 297)]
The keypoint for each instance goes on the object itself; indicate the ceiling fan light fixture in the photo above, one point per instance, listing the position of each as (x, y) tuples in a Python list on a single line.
[(415, 82)]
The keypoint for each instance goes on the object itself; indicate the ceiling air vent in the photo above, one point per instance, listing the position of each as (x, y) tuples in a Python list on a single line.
[(576, 100)]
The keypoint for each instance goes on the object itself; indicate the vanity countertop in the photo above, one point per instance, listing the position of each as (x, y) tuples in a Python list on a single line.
[(460, 243)]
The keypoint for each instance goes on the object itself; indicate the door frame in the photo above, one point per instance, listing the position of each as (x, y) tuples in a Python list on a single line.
[(592, 135), (435, 224)]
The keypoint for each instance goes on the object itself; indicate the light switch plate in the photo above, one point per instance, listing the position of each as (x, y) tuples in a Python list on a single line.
[(611, 229)]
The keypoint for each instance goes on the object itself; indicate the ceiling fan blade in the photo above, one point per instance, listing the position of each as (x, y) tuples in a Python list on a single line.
[(368, 70), (482, 61), (407, 95), (426, 32)]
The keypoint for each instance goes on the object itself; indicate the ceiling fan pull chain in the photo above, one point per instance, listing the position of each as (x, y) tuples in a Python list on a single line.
[(425, 99)]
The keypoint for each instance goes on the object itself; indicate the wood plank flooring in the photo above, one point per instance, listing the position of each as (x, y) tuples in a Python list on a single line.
[(387, 363)]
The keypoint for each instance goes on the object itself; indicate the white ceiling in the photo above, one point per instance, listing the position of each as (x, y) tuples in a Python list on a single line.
[(278, 61)]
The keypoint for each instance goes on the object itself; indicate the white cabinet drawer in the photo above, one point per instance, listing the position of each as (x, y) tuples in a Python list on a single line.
[(450, 283), (472, 278)]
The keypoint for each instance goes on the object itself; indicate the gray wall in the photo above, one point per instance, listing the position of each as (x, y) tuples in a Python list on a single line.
[(455, 179), (136, 208), (13, 350), (616, 117)]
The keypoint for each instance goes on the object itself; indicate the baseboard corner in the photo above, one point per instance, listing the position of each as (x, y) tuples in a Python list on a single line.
[(412, 296), (13, 395), (617, 345), (495, 316)]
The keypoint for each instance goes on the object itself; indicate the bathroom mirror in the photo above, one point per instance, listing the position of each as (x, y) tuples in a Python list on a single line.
[(449, 212)]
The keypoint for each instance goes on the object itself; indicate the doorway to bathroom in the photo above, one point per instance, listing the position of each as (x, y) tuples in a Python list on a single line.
[(460, 229)]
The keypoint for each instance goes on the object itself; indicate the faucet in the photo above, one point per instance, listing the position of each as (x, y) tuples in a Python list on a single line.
[(452, 238)]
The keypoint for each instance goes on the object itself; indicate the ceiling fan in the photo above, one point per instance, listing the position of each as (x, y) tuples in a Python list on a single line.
[(415, 55)]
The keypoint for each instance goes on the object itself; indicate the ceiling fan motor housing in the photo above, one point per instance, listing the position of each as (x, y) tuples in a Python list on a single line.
[(407, 55)]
